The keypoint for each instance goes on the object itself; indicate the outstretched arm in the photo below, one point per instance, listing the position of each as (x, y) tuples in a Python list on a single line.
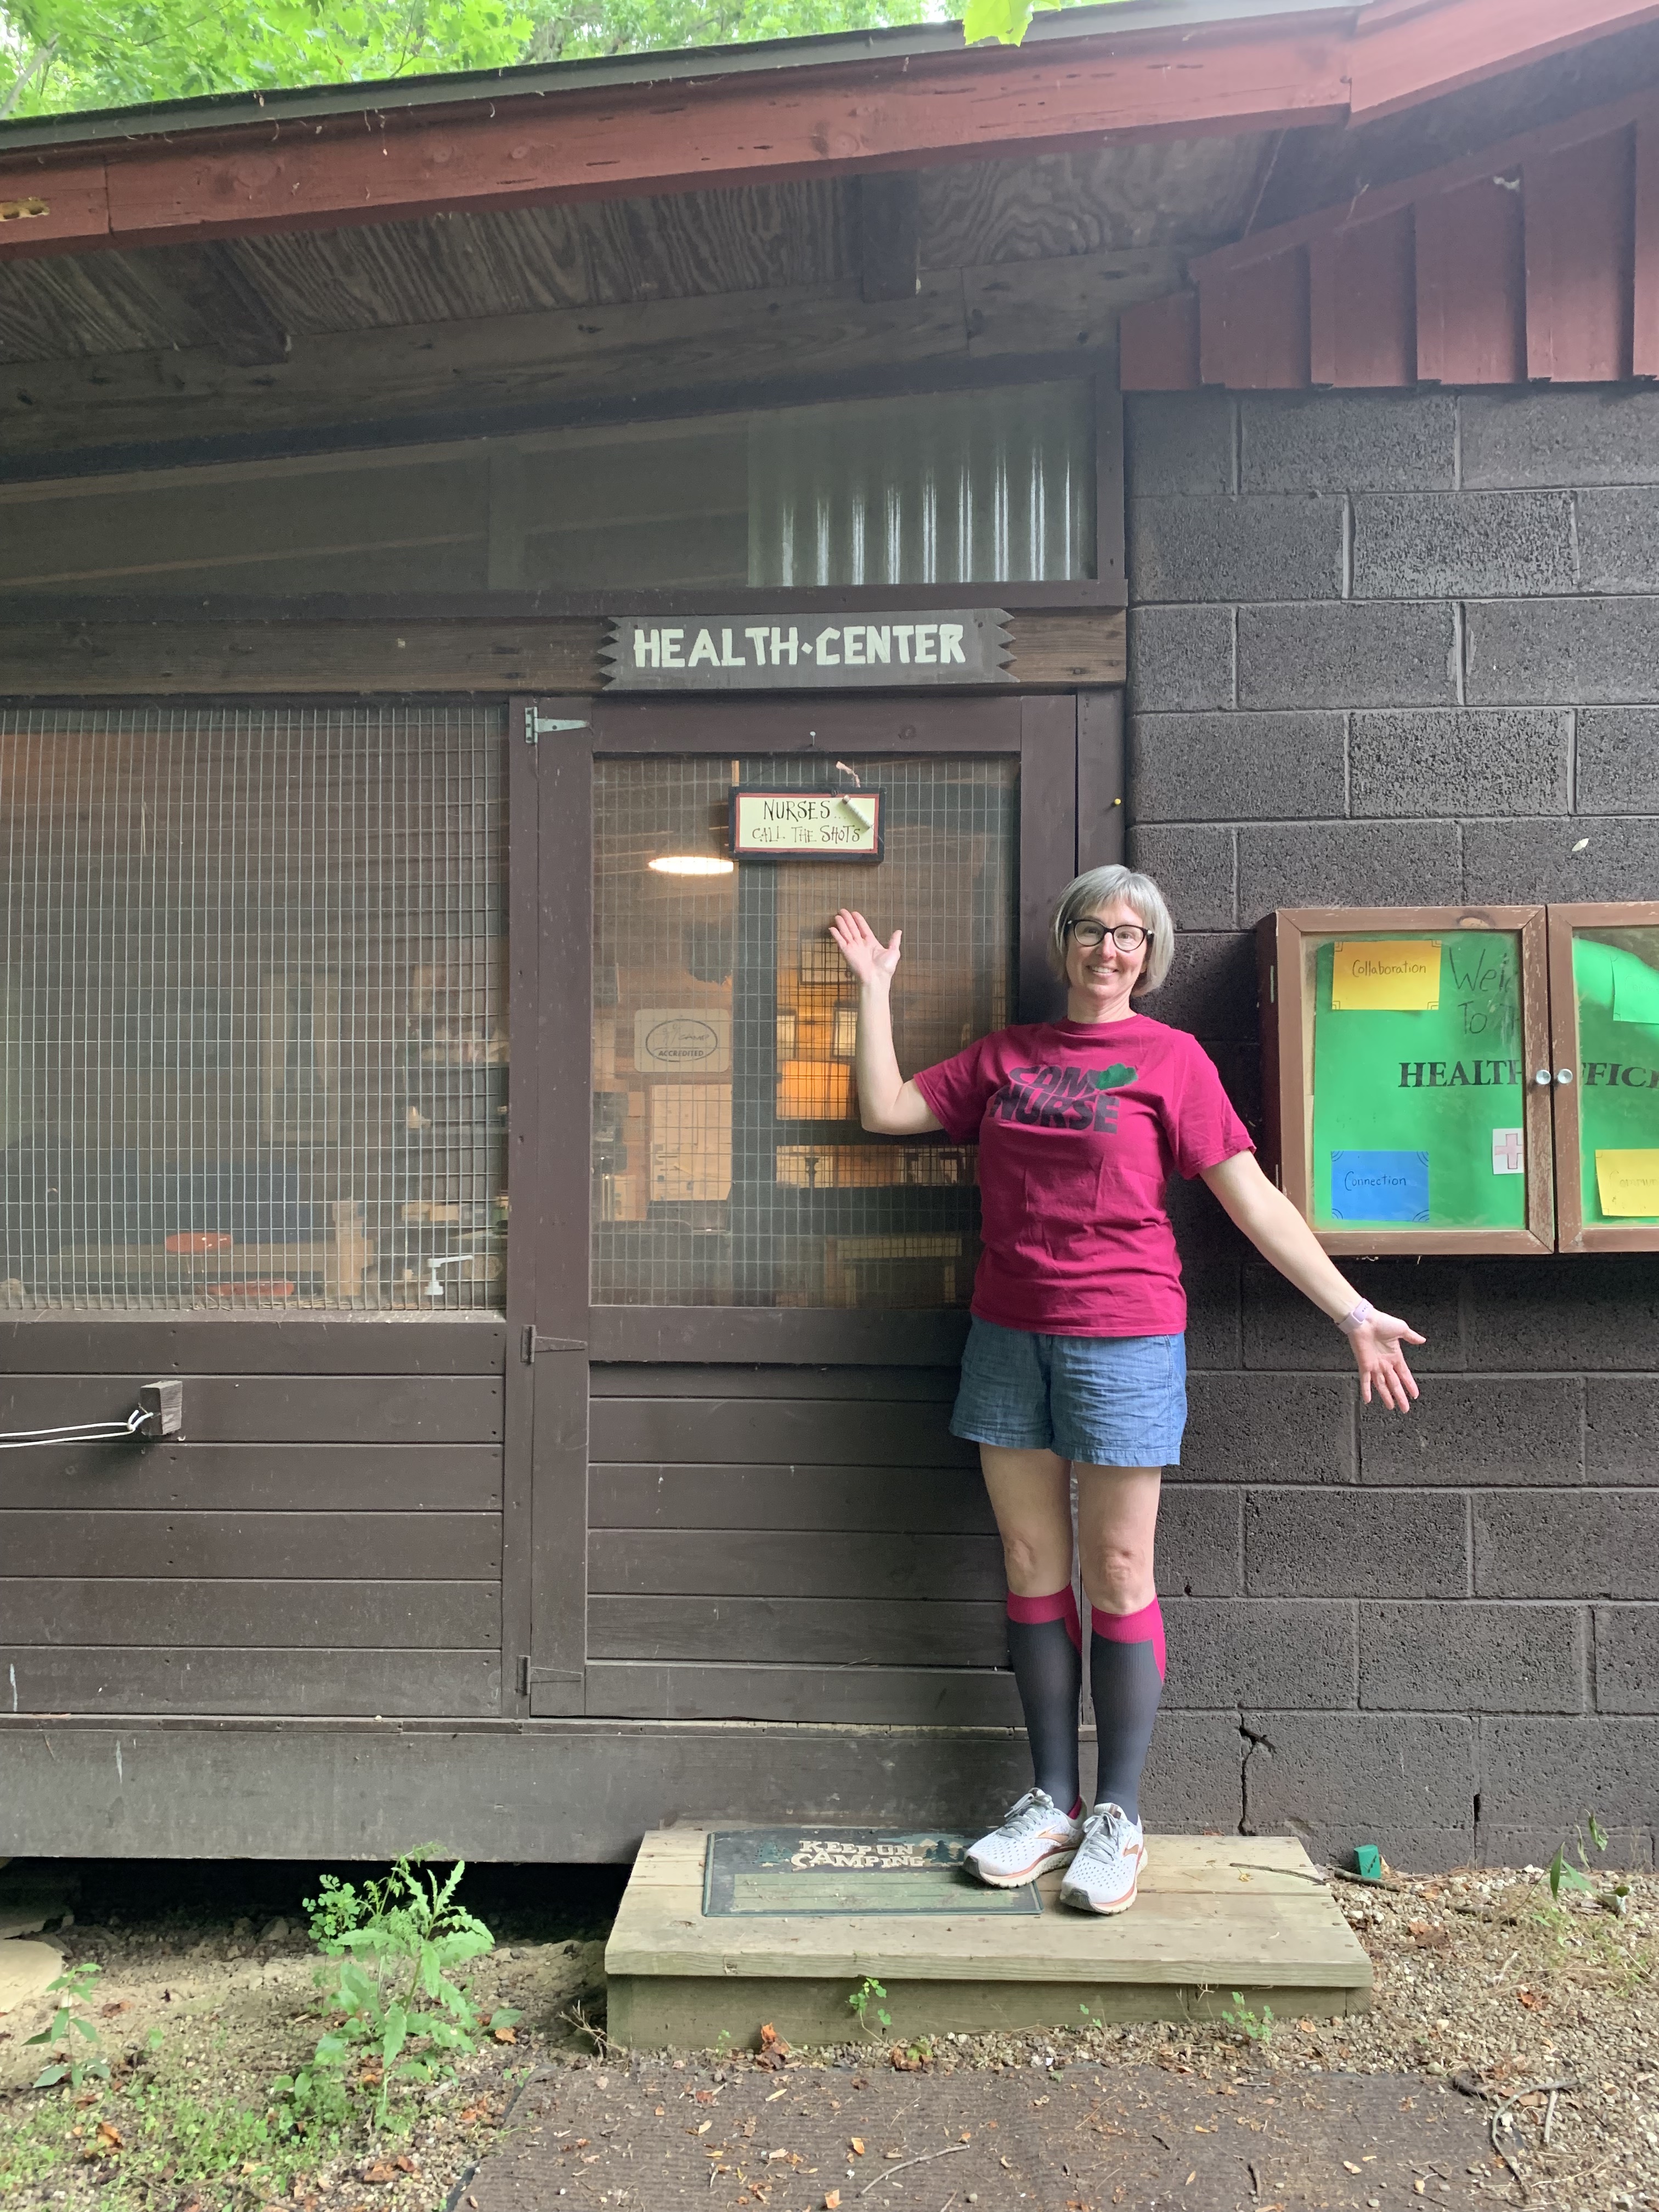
[(887, 1103), (1279, 1234)]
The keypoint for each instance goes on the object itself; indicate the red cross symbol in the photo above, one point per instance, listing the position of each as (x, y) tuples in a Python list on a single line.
[(1507, 1151)]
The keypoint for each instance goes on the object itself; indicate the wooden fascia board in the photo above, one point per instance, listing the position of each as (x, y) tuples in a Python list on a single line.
[(696, 135), (1496, 161), (1403, 54)]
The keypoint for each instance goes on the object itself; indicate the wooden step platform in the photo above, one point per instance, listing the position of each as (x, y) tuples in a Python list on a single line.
[(723, 1927)]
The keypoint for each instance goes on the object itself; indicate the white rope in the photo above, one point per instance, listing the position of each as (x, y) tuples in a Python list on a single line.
[(84, 1433)]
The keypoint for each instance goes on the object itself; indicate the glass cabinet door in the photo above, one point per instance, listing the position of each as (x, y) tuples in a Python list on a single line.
[(1604, 989)]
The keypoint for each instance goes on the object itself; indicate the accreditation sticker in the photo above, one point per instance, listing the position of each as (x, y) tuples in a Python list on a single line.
[(1386, 975)]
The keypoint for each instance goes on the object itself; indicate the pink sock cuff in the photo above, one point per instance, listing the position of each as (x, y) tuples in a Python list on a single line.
[(1145, 1627), (1060, 1605)]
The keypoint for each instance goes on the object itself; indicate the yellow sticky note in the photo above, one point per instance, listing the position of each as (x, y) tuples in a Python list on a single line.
[(1386, 975), (1628, 1183)]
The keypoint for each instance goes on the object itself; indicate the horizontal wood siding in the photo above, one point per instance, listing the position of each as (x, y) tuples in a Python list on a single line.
[(293, 1409), (780, 1543), (142, 1678), (316, 1544)]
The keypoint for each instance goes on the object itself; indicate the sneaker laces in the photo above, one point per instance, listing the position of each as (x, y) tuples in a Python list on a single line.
[(1035, 1807), (1105, 1832)]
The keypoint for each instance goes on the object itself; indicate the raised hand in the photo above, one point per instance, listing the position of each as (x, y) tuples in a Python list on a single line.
[(870, 960), (1382, 1361)]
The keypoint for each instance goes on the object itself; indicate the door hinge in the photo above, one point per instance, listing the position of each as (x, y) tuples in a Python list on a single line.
[(544, 725), (530, 1344), (524, 1673)]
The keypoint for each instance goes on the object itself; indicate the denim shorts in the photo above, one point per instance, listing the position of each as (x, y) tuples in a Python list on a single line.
[(1107, 1400)]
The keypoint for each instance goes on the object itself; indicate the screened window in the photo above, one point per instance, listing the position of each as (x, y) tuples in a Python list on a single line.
[(729, 1165), (988, 486), (253, 1050)]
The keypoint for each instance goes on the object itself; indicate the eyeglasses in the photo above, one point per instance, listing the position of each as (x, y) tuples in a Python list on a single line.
[(1126, 936)]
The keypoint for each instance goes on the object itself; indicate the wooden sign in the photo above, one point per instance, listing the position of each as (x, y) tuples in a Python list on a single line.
[(806, 825), (737, 653)]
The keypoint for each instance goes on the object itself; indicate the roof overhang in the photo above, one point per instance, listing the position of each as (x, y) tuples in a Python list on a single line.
[(322, 160)]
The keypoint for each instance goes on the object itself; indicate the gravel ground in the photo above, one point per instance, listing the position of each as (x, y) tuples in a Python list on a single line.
[(1481, 1981)]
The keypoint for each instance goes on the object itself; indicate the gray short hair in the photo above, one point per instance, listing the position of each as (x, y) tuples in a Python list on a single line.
[(1102, 887)]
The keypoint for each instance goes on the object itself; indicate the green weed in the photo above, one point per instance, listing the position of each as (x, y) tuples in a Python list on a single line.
[(1258, 2026), (401, 2020), (859, 2004), (69, 2030)]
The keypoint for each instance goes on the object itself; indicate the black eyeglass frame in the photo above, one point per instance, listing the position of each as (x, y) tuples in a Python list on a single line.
[(1143, 935)]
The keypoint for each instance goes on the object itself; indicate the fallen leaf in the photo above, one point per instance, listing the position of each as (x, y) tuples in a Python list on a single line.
[(700, 2131), (1191, 2177), (505, 2034), (702, 2096), (832, 2201), (109, 2135), (406, 2164), (769, 2039), (109, 2011), (1352, 2167), (1532, 1999), (776, 2094), (379, 2171), (855, 2143)]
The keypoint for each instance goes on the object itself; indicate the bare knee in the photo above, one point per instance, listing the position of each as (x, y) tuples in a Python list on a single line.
[(1036, 1563), (1119, 1576)]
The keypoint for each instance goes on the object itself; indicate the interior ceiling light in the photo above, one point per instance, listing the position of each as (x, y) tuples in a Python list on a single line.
[(691, 864)]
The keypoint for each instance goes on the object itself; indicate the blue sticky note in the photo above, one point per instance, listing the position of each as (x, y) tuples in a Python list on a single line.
[(1379, 1186)]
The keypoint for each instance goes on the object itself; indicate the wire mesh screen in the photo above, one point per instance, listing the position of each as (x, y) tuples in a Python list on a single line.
[(253, 987), (730, 1167)]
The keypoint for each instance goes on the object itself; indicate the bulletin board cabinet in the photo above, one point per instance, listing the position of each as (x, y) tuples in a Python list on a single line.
[(1465, 1079)]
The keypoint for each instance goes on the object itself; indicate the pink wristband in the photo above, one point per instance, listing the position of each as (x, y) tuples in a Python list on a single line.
[(1358, 1317)]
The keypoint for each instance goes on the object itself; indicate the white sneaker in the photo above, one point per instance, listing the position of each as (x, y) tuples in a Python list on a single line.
[(1035, 1836), (1106, 1869)]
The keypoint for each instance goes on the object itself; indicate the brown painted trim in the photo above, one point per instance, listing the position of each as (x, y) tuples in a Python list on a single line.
[(1100, 808), (523, 996), (1048, 843), (889, 112), (1057, 649)]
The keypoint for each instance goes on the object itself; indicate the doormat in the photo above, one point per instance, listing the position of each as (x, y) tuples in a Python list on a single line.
[(845, 1871)]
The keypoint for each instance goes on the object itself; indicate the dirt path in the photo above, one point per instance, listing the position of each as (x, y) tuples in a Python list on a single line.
[(1083, 2137)]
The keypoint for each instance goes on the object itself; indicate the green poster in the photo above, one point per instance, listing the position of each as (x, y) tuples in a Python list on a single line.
[(1417, 1114), (1615, 975)]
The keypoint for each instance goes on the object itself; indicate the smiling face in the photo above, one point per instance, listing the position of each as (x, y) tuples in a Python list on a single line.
[(1099, 978)]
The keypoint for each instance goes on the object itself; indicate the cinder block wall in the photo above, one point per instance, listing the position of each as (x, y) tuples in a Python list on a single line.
[(1402, 649)]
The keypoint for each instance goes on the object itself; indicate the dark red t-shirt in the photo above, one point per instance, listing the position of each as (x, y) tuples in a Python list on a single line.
[(1079, 1125)]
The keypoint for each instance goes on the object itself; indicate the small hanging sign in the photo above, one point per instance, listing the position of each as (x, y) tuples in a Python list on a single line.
[(806, 825), (737, 653)]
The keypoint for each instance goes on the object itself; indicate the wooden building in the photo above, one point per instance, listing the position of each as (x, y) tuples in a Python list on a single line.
[(391, 482)]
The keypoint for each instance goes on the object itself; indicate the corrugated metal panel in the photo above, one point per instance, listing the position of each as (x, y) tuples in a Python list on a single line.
[(969, 487)]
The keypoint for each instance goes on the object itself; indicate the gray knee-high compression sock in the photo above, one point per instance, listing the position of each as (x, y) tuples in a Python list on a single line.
[(1045, 1646), (1126, 1680)]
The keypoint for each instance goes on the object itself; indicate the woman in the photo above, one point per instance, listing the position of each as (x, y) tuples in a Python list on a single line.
[(1075, 1364)]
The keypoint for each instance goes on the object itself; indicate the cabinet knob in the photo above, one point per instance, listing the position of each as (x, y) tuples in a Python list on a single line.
[(1563, 1075), (1542, 1077)]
